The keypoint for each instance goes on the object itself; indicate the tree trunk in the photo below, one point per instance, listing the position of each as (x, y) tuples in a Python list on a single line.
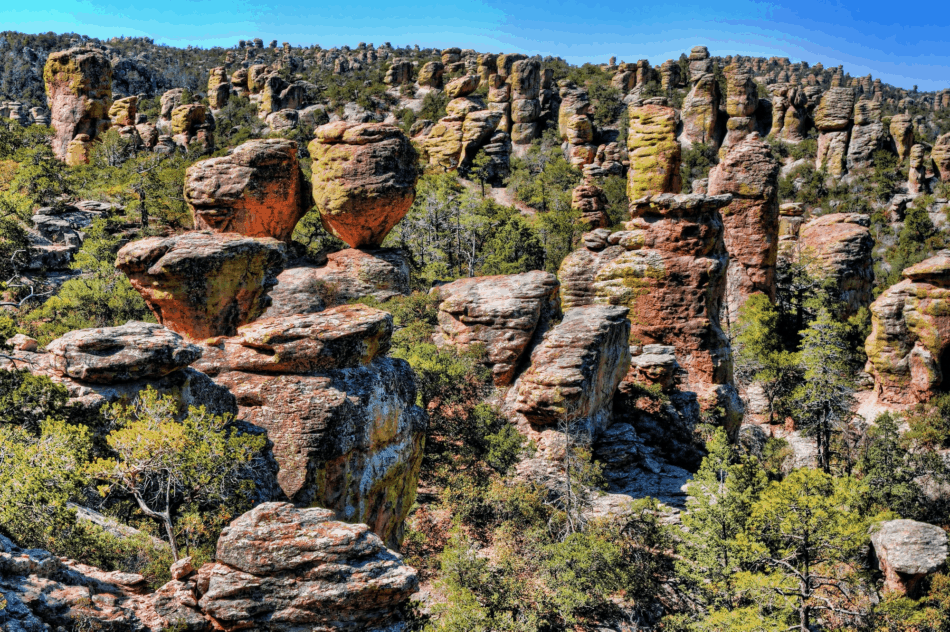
[(171, 535)]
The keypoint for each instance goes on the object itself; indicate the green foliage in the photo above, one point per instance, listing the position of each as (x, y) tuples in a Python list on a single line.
[(886, 176), (433, 106), (888, 470), (697, 161), (917, 240), (27, 400), (607, 103)]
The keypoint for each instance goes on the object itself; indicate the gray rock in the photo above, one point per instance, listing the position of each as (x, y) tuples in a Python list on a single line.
[(907, 550)]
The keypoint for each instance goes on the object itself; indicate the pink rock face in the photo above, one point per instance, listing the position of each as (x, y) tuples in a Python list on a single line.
[(839, 247), (910, 334), (575, 371), (79, 91), (906, 551), (750, 174), (503, 313), (340, 337), (302, 568), (258, 190)]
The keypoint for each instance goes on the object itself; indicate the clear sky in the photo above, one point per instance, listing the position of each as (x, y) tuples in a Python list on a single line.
[(903, 44)]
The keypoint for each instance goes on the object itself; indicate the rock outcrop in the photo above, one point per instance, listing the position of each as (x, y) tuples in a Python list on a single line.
[(750, 174), (839, 247), (701, 110), (654, 151), (867, 136), (347, 276), (910, 334), (79, 92), (902, 131), (906, 551), (590, 200), (257, 190), (364, 179), (203, 284), (941, 157), (219, 87), (833, 119), (503, 313), (917, 171)]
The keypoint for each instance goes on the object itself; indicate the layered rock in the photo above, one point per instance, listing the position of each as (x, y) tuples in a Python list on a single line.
[(917, 172), (839, 247), (910, 333), (653, 151), (430, 75), (591, 201), (347, 276), (701, 110), (364, 179), (219, 88), (503, 313), (258, 190), (461, 87), (123, 111), (79, 92), (750, 174), (299, 569), (867, 136), (833, 119), (399, 73), (906, 551), (203, 284), (741, 91), (525, 81)]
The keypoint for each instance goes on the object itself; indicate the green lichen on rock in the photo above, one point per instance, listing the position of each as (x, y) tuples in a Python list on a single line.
[(653, 150)]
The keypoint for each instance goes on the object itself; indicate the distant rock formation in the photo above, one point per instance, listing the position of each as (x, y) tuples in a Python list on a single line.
[(79, 92)]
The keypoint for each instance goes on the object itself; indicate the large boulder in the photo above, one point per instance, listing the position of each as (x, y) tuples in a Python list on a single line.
[(257, 190), (364, 179), (576, 369), (282, 568), (169, 101), (750, 174), (835, 110), (906, 551), (741, 91), (867, 136), (910, 334), (120, 354), (839, 247), (348, 275), (503, 313), (654, 151), (430, 75), (123, 111), (79, 91), (203, 284)]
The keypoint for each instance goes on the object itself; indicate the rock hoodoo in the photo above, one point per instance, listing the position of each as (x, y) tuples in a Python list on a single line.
[(257, 190), (79, 91), (839, 247), (906, 551), (654, 151), (364, 179)]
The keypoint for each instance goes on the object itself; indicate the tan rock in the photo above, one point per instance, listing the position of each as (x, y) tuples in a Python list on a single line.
[(701, 110), (902, 131), (431, 74), (653, 150), (219, 88), (461, 87), (839, 247), (123, 111), (79, 92), (940, 154)]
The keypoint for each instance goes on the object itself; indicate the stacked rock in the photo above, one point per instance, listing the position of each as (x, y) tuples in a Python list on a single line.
[(219, 87), (833, 119), (867, 136), (653, 150), (79, 91), (525, 80)]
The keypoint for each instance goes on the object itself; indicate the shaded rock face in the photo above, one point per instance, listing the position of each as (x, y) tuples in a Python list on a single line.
[(347, 276), (833, 118), (941, 157), (503, 313), (120, 354), (274, 555), (169, 101), (741, 91), (576, 369), (840, 247), (906, 551), (258, 190), (123, 111), (79, 92), (203, 284), (653, 150), (750, 174), (910, 333), (364, 180), (431, 74)]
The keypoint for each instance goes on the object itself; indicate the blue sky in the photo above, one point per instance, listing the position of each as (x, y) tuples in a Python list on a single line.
[(902, 44)]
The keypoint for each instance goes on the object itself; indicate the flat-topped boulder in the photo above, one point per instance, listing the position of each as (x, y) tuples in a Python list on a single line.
[(257, 190), (906, 551), (203, 284)]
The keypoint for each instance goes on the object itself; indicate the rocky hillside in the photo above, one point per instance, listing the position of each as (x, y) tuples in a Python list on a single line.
[(408, 339)]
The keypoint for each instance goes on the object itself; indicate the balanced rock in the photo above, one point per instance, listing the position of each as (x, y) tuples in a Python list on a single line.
[(750, 174), (279, 567), (910, 334), (503, 313), (129, 352), (364, 179), (257, 190), (203, 284), (461, 87), (79, 92), (906, 551)]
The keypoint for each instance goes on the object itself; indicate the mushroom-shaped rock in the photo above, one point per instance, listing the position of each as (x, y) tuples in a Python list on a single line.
[(203, 284), (257, 190), (576, 369), (504, 313), (364, 179), (129, 352), (302, 568), (338, 338), (907, 550), (79, 91)]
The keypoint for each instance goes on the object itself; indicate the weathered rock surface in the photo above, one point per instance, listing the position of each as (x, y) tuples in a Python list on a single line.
[(503, 313), (941, 157), (125, 353), (364, 180), (835, 110), (79, 91), (701, 111), (576, 369), (910, 333), (867, 136), (741, 91), (279, 567), (654, 151), (348, 275), (906, 551), (123, 111), (750, 174), (219, 87), (902, 131), (591, 201), (257, 190), (917, 172), (839, 247), (431, 74), (203, 284)]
